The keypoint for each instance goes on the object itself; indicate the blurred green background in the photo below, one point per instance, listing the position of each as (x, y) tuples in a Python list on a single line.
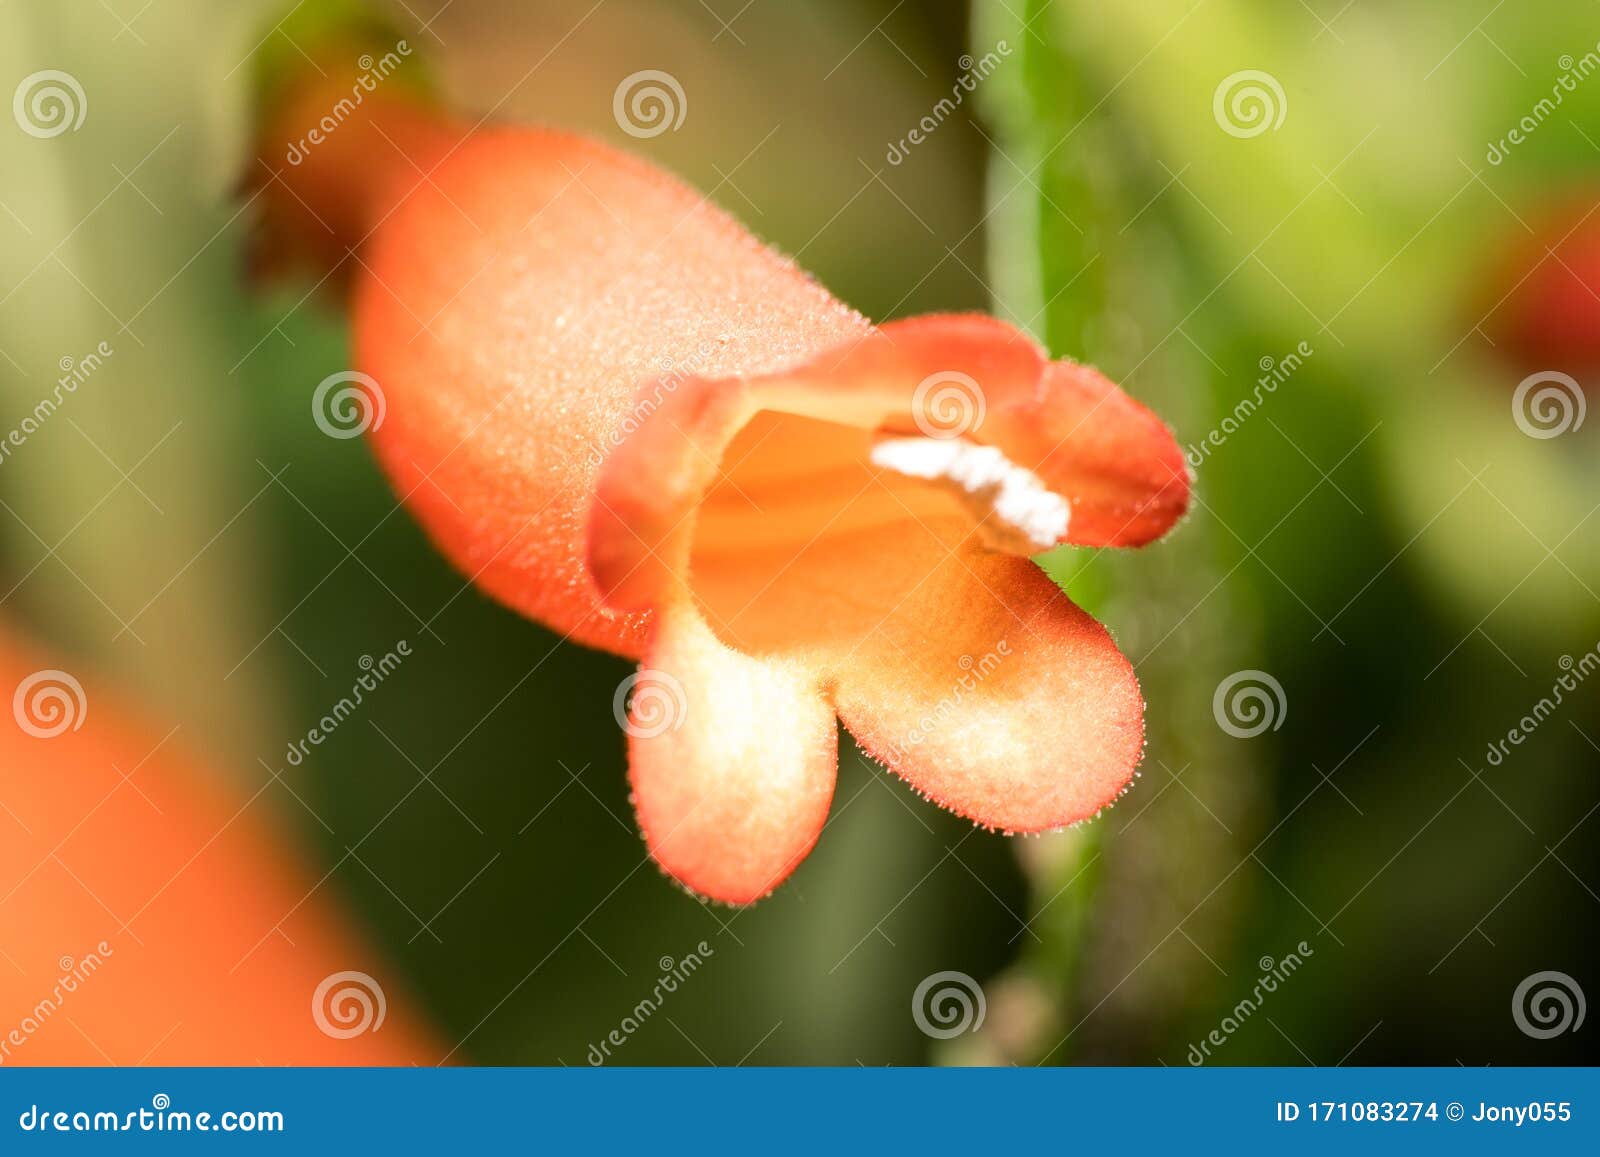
[(1379, 536)]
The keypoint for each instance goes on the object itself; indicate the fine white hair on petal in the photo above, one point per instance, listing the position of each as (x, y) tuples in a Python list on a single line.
[(989, 481)]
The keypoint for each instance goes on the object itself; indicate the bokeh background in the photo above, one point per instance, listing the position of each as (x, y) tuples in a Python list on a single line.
[(1381, 536)]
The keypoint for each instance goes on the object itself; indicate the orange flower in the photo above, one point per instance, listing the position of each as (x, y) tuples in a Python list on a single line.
[(626, 418), (146, 916)]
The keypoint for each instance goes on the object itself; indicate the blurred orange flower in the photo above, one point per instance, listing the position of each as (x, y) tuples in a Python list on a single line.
[(150, 917)]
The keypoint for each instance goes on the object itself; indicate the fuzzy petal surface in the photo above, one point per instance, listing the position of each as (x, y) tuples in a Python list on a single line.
[(732, 761), (516, 302)]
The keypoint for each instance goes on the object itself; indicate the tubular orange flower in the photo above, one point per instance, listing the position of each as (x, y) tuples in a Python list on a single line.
[(628, 419), (148, 917)]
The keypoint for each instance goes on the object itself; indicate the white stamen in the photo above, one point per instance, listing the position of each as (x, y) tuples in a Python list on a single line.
[(998, 490)]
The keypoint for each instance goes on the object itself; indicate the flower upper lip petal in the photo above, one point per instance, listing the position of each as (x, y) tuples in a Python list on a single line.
[(1117, 466)]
